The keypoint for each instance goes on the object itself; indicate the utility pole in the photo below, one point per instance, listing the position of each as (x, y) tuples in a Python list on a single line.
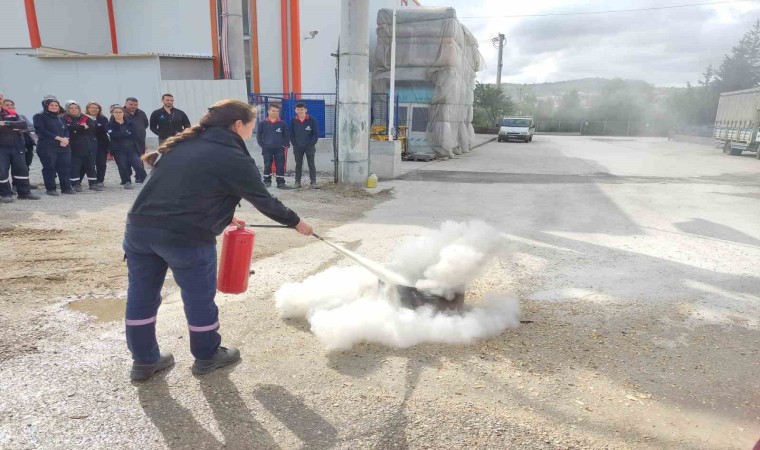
[(353, 93), (501, 41)]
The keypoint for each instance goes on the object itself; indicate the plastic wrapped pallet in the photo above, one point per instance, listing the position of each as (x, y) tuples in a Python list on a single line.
[(433, 46)]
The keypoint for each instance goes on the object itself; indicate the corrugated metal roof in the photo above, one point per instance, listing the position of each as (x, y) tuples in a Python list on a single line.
[(56, 53)]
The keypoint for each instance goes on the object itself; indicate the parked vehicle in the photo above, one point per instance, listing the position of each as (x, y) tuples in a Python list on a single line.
[(517, 128), (738, 121)]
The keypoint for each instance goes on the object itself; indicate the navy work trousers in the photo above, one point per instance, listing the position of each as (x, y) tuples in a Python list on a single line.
[(150, 252), (299, 153), (55, 161), (278, 156), (84, 164), (13, 157), (127, 160)]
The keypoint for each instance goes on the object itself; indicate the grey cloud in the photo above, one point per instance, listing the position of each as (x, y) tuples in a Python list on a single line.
[(666, 47)]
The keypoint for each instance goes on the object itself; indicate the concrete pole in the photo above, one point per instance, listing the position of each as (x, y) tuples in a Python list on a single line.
[(353, 93), (235, 47), (392, 94), (502, 38)]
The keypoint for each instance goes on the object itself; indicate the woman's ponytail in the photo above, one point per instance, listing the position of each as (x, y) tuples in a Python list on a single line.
[(222, 114)]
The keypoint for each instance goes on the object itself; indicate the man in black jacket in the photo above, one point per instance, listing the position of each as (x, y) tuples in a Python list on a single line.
[(273, 138), (167, 121), (304, 134), (12, 154), (140, 121)]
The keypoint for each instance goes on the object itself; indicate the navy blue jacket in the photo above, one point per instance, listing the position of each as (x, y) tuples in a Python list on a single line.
[(101, 132), (273, 134), (9, 136), (165, 125), (48, 126), (193, 189), (123, 136), (304, 133), (82, 141)]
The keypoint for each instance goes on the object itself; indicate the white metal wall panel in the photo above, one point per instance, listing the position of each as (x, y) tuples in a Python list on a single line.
[(195, 96), (163, 26), (317, 66), (79, 26), (105, 80), (15, 29), (270, 45)]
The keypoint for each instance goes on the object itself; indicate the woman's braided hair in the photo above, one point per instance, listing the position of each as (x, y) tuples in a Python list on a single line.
[(221, 114)]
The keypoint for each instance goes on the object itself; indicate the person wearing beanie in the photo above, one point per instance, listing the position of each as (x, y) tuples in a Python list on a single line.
[(53, 147), (84, 146)]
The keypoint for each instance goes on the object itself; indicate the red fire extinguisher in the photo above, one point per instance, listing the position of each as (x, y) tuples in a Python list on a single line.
[(235, 262)]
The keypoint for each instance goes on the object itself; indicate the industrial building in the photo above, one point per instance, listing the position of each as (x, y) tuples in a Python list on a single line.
[(199, 50)]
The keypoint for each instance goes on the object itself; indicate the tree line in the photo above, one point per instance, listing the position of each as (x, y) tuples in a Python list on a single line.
[(636, 101)]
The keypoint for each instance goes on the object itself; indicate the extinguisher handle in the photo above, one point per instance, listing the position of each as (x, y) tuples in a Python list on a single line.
[(267, 226)]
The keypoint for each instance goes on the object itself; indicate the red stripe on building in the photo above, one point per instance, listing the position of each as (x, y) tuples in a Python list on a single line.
[(112, 25), (31, 22)]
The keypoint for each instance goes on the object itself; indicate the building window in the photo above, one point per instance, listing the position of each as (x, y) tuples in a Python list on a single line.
[(419, 118)]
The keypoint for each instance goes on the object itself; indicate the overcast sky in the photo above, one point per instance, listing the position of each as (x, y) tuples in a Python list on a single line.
[(664, 47)]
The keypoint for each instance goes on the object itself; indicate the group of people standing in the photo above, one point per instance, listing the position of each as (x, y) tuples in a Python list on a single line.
[(73, 144)]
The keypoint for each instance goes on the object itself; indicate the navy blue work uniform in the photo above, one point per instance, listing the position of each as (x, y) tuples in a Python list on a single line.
[(304, 135), (187, 201), (84, 148), (101, 159), (12, 154), (273, 138), (56, 160), (125, 147)]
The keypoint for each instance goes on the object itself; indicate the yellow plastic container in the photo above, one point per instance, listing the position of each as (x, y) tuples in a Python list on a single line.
[(372, 181)]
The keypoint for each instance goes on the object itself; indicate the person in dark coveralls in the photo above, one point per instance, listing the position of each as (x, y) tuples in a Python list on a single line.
[(273, 138), (140, 120), (304, 134), (13, 154), (123, 136), (167, 121), (53, 147), (198, 178), (29, 142), (95, 112), (84, 146)]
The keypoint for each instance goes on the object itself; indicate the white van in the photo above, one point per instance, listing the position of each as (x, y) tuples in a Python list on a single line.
[(517, 128)]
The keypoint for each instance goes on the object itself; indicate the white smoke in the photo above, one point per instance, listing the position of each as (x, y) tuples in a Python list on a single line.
[(346, 306)]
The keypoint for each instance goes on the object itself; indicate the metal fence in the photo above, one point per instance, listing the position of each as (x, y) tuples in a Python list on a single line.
[(705, 130), (322, 106), (379, 116), (602, 127)]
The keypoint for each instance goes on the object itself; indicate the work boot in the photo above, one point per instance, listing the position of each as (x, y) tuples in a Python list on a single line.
[(143, 371), (223, 357), (128, 185), (283, 186), (52, 193), (96, 187), (69, 192), (77, 187), (29, 196), (8, 199), (297, 185), (315, 186), (268, 183)]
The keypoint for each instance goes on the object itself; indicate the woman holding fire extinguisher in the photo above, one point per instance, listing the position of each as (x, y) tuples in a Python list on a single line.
[(198, 178)]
